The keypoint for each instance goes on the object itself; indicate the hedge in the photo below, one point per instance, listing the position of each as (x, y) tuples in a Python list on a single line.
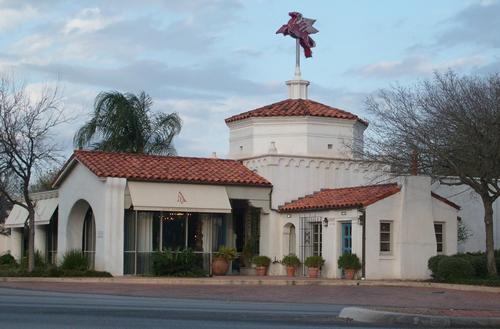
[(451, 269), (463, 267)]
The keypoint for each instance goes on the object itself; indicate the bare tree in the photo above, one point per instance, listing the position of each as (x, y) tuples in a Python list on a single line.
[(26, 145), (4, 208), (447, 127)]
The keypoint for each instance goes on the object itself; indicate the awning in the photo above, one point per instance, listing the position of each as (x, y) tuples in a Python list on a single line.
[(44, 209), (17, 217), (179, 197)]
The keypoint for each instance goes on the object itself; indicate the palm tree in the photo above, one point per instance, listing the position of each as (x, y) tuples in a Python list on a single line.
[(124, 123)]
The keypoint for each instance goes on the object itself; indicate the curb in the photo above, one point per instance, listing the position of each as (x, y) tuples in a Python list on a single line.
[(267, 281), (364, 315)]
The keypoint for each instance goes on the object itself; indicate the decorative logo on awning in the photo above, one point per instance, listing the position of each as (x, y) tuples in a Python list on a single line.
[(180, 198)]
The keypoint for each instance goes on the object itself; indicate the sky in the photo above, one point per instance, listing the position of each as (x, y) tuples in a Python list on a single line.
[(210, 59)]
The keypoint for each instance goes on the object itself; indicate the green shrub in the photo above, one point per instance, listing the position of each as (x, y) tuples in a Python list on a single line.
[(451, 269), (74, 260), (178, 263), (261, 261), (227, 253), (291, 261), (8, 260), (433, 263), (39, 261), (349, 261), (314, 261), (479, 263)]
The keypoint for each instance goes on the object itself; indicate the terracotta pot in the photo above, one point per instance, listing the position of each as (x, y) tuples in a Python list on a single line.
[(220, 266), (349, 273), (261, 270), (313, 272), (290, 271)]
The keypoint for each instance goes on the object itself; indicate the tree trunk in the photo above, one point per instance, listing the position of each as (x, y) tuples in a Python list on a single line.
[(31, 241), (488, 226)]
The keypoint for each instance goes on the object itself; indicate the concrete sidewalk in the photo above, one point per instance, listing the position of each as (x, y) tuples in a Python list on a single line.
[(236, 280), (423, 317)]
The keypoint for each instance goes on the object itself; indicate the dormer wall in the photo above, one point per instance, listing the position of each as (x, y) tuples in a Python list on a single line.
[(295, 135)]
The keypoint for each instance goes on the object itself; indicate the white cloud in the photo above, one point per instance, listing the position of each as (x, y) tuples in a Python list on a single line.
[(416, 65), (12, 17), (88, 20)]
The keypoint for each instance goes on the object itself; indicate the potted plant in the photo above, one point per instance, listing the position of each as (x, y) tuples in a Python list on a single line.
[(314, 264), (247, 253), (262, 264), (291, 262), (350, 264), (220, 264)]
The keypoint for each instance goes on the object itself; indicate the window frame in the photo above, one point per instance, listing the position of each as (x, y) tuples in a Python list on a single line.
[(443, 238), (390, 232), (317, 238)]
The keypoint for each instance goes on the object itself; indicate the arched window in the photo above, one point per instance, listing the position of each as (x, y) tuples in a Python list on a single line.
[(289, 239), (88, 239)]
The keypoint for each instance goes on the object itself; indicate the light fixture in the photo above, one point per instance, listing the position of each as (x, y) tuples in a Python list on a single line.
[(325, 222), (343, 212), (288, 216)]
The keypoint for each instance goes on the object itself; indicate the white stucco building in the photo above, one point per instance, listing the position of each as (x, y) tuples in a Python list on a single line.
[(292, 185)]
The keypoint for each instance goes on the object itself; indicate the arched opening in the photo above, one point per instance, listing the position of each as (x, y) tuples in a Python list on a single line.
[(81, 231), (88, 238), (289, 239)]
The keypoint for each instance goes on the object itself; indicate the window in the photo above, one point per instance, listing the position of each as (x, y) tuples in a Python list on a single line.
[(330, 146), (316, 239), (385, 238), (439, 231)]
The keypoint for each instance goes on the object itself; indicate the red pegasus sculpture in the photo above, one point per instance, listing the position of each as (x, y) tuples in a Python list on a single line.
[(299, 27)]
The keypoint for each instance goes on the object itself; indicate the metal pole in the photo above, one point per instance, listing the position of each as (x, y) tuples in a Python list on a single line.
[(135, 244), (297, 58)]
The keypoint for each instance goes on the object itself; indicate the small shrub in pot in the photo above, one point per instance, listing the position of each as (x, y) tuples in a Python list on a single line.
[(291, 262), (262, 264), (220, 265), (314, 264), (350, 264)]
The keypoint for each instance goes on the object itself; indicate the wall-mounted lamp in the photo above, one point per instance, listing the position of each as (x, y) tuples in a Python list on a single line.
[(325, 222), (288, 216)]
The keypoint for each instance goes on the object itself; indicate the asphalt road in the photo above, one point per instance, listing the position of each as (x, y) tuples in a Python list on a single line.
[(37, 309)]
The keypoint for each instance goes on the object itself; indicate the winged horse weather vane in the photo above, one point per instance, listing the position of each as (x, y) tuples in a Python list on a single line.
[(299, 28)]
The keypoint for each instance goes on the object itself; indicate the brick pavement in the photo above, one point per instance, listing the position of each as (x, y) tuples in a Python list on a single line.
[(434, 301)]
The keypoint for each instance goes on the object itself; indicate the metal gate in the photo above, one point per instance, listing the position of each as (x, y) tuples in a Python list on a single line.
[(311, 230)]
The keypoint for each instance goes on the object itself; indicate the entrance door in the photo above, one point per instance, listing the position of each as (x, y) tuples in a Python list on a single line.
[(346, 238)]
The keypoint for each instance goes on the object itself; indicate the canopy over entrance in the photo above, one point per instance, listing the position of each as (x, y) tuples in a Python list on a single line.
[(179, 197), (44, 209)]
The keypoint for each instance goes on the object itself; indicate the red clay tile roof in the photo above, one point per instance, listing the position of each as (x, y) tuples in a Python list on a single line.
[(443, 199), (349, 197), (168, 168), (297, 107)]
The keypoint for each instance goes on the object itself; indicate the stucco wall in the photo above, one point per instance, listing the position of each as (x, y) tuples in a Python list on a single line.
[(331, 247), (4, 244), (295, 177), (383, 266), (413, 212), (106, 198), (303, 136)]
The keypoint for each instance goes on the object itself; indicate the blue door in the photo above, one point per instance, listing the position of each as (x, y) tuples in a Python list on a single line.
[(346, 238)]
